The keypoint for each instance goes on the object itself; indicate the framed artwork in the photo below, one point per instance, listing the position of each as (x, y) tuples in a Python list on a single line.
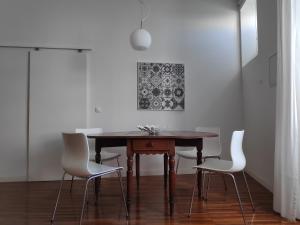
[(160, 86)]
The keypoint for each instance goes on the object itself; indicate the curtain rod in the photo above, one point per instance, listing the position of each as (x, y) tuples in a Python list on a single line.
[(51, 48)]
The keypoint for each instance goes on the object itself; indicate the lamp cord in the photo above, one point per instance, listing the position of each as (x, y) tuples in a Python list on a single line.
[(143, 7)]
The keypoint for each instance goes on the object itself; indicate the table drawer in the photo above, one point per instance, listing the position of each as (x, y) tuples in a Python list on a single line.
[(151, 144)]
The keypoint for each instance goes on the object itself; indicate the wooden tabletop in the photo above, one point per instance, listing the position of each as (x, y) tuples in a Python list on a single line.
[(162, 134)]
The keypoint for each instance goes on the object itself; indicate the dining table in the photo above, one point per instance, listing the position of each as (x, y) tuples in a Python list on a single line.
[(164, 142)]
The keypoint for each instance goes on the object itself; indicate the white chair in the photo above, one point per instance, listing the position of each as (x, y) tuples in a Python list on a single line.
[(105, 155), (237, 164), (211, 147), (75, 162)]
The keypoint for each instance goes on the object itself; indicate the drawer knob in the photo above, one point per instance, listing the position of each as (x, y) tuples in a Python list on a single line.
[(149, 144)]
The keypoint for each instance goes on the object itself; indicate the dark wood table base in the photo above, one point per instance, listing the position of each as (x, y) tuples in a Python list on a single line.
[(139, 143), (166, 158), (153, 146), (137, 169)]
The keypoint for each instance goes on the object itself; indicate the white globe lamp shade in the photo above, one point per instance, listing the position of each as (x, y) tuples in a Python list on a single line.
[(140, 39)]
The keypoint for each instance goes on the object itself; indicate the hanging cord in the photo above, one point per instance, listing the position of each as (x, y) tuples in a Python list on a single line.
[(144, 8)]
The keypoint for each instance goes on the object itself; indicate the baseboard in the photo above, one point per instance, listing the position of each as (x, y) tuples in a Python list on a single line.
[(13, 179), (259, 180), (152, 172), (189, 170)]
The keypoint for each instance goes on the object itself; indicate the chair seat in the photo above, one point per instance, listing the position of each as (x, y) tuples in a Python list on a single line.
[(105, 156), (216, 165), (191, 153), (95, 168)]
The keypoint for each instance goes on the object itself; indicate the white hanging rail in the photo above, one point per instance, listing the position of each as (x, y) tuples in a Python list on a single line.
[(52, 48)]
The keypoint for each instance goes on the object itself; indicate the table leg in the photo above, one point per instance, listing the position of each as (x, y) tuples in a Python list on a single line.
[(165, 170), (172, 181), (199, 161), (129, 172), (137, 169), (97, 160)]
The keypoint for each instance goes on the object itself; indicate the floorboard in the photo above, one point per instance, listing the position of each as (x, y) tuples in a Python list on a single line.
[(32, 204)]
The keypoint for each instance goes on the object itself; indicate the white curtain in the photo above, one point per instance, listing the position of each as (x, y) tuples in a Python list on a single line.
[(287, 145)]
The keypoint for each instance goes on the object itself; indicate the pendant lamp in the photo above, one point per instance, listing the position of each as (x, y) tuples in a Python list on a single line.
[(140, 39)]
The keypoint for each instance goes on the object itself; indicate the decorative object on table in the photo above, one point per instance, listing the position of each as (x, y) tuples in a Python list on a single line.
[(160, 86), (150, 129), (140, 39)]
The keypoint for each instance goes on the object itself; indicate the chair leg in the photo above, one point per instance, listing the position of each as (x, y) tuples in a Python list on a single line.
[(118, 161), (203, 182), (193, 194), (87, 196), (97, 189), (249, 193), (58, 195), (71, 183), (122, 190), (84, 199), (207, 186), (224, 181), (177, 164), (238, 195), (223, 177)]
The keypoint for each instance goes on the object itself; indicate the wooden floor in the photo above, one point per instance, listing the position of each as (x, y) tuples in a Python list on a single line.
[(32, 204)]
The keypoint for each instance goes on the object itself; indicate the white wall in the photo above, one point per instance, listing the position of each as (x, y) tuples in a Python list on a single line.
[(259, 99), (57, 103), (13, 114), (202, 34)]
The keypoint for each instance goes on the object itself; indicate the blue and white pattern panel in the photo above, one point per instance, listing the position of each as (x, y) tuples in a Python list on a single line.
[(160, 86)]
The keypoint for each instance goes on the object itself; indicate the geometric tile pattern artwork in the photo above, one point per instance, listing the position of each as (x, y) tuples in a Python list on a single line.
[(160, 86)]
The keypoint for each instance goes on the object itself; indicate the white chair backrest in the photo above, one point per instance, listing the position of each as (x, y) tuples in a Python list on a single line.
[(88, 131), (75, 156), (212, 144), (236, 151)]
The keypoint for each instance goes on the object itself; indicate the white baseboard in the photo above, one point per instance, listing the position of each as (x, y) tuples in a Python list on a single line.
[(260, 180), (151, 172), (13, 179)]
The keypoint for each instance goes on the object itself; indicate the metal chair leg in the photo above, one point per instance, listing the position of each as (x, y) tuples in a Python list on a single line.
[(249, 193), (84, 198), (87, 195), (71, 183), (122, 190), (224, 181), (193, 194), (118, 162), (238, 195), (178, 160), (223, 177), (203, 182), (207, 186), (58, 195)]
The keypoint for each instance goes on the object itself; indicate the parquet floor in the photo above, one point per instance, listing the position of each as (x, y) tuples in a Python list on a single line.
[(32, 204)]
